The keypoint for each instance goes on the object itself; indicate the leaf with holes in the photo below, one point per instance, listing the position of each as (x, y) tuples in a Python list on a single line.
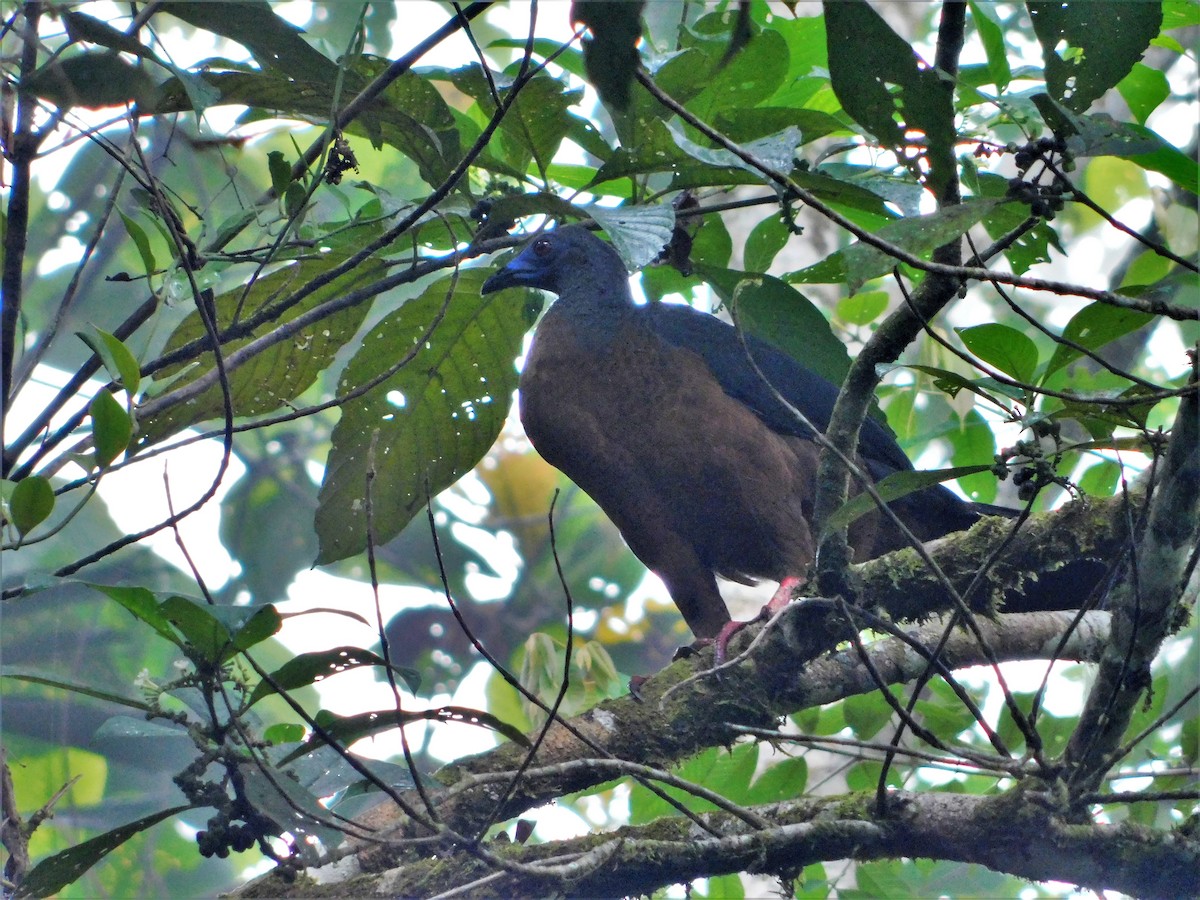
[(1102, 41), (424, 425), (54, 873), (310, 668)]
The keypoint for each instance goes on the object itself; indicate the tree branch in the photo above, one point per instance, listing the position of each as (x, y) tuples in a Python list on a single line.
[(992, 831), (1148, 605), (682, 714)]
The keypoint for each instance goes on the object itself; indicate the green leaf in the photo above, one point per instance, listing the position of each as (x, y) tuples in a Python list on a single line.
[(274, 42), (207, 638), (1092, 327), (764, 242), (866, 714), (535, 124), (56, 872), (293, 200), (280, 373), (975, 443), (431, 421), (1032, 246), (116, 357), (727, 772), (887, 89), (919, 235), (1180, 14), (781, 780), (284, 733), (53, 679), (1103, 39), (149, 264), (1163, 158), (82, 27), (745, 80), (294, 809), (610, 53), (143, 605), (410, 115), (951, 383), (216, 633), (249, 625), (779, 314), (722, 887), (93, 80), (1012, 352), (1144, 89), (862, 308), (281, 172), (31, 502), (348, 729), (893, 487), (111, 428), (1101, 479), (324, 769), (743, 124), (310, 668), (991, 33)]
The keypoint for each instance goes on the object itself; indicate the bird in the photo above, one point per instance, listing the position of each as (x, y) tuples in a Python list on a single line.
[(656, 411)]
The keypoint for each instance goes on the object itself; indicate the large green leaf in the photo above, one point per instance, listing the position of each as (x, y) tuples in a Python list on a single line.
[(860, 262), (215, 633), (274, 42), (429, 422), (1012, 352), (93, 80), (882, 83), (410, 115), (536, 122), (991, 33), (54, 873), (1104, 39), (748, 79), (1091, 328), (1144, 89), (610, 52), (778, 313), (281, 372), (111, 427)]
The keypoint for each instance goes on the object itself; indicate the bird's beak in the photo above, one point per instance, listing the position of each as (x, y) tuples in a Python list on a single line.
[(526, 270), (504, 278)]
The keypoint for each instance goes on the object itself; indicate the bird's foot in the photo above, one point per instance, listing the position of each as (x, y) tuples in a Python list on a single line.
[(781, 598), (635, 687)]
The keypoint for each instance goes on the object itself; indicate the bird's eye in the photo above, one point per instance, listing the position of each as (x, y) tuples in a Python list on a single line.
[(541, 247)]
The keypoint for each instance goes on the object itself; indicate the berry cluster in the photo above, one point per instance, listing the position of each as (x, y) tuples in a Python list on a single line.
[(1044, 199), (221, 836), (1034, 468)]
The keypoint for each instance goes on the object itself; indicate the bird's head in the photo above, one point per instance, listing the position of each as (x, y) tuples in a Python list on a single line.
[(560, 259)]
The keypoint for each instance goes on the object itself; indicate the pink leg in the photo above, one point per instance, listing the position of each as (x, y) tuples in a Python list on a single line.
[(781, 598)]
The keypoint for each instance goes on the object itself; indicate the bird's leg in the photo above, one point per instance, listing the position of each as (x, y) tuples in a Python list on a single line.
[(781, 598)]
